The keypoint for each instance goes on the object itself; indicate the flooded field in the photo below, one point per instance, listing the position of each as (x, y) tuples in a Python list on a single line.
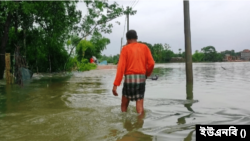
[(81, 107)]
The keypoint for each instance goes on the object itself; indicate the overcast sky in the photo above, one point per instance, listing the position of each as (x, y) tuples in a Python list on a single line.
[(224, 24)]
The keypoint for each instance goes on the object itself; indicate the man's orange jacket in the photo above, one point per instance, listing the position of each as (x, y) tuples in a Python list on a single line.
[(135, 58)]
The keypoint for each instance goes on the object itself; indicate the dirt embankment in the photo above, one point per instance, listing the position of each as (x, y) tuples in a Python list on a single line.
[(100, 67)]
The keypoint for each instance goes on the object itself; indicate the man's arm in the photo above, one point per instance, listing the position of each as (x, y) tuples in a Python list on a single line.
[(120, 68), (150, 62)]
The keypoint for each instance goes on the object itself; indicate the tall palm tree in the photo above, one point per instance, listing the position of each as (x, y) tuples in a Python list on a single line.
[(179, 52)]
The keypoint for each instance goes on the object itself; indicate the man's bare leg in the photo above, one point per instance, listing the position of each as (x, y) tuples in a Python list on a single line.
[(125, 103), (139, 107)]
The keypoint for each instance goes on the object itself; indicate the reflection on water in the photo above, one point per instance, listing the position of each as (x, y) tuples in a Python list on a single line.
[(189, 91), (133, 133), (189, 136), (181, 120), (82, 107)]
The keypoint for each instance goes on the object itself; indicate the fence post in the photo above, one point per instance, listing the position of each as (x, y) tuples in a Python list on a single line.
[(7, 68), (13, 70)]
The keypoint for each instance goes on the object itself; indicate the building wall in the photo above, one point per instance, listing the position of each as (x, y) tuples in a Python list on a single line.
[(245, 55)]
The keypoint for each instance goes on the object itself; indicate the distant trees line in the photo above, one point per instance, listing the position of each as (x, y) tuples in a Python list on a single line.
[(209, 54), (162, 53)]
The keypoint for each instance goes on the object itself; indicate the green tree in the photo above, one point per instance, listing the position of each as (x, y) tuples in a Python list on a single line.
[(6, 19), (238, 54), (161, 53), (210, 53), (158, 49), (179, 52), (168, 54), (116, 58), (183, 55), (100, 13), (230, 52), (41, 29), (82, 47), (198, 56), (219, 57), (71, 45), (99, 44)]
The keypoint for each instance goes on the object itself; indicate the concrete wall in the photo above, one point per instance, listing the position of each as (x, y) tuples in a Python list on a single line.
[(245, 55)]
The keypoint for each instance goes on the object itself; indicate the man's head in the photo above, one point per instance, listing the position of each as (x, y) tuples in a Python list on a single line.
[(131, 36)]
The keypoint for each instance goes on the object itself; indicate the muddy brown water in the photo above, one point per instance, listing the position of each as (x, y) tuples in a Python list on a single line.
[(81, 107)]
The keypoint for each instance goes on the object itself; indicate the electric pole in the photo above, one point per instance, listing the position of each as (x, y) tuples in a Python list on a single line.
[(128, 19), (127, 22), (188, 50), (121, 46), (128, 12)]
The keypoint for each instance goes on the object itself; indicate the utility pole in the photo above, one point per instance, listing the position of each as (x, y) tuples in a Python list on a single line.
[(128, 12), (128, 19), (121, 46), (188, 50)]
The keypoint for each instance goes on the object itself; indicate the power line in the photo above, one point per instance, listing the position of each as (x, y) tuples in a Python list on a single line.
[(135, 4), (131, 2)]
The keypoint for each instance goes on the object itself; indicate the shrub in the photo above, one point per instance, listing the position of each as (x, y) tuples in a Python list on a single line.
[(84, 65), (72, 64)]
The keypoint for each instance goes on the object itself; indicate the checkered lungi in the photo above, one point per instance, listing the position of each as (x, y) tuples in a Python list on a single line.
[(134, 86)]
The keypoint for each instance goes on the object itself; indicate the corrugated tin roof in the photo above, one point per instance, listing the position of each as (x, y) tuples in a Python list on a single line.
[(246, 50)]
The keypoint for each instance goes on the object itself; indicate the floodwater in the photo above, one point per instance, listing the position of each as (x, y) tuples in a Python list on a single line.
[(81, 107)]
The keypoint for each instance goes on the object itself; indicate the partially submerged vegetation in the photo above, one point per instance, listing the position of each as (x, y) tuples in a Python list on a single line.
[(53, 34), (83, 65)]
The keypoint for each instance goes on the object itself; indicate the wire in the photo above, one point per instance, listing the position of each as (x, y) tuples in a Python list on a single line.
[(132, 3), (135, 4)]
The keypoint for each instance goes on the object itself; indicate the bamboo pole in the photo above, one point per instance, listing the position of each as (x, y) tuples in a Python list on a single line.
[(13, 70), (7, 68)]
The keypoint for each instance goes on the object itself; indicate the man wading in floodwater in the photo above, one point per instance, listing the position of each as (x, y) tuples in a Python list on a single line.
[(136, 63)]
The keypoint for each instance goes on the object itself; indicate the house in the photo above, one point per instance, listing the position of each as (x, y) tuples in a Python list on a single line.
[(245, 55), (228, 57)]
